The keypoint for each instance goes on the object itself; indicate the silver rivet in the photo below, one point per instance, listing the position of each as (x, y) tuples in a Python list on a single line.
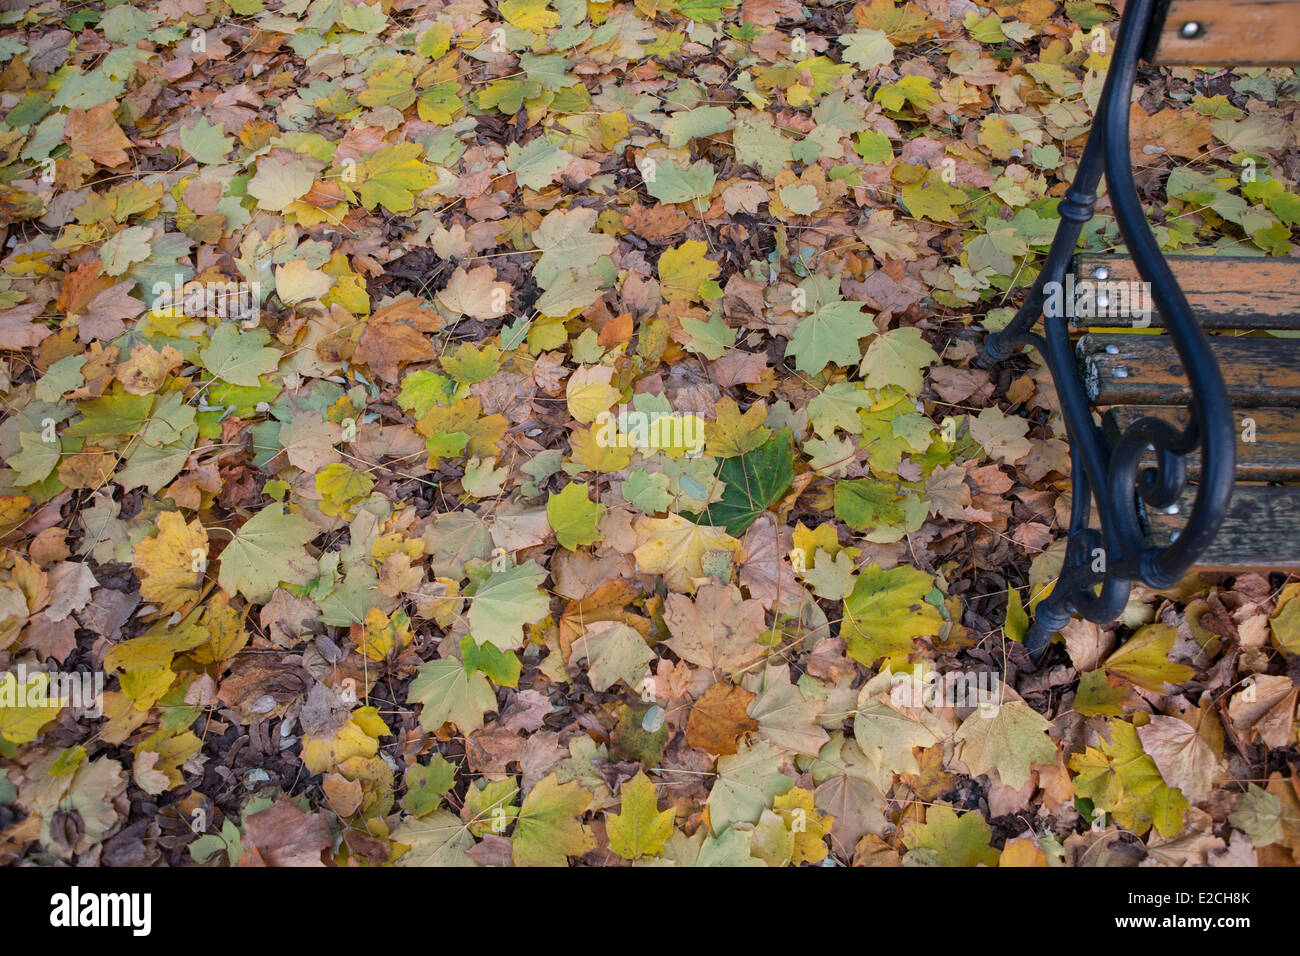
[(1190, 30), (1150, 447), (1112, 350), (1120, 372), (1101, 272), (1103, 301), (1173, 537), (1173, 510)]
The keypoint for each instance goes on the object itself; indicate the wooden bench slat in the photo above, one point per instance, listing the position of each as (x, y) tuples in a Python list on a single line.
[(1261, 531), (1232, 33), (1273, 455), (1143, 369), (1225, 292)]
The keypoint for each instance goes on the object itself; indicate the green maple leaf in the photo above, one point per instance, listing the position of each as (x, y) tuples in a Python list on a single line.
[(829, 335), (490, 805), (1260, 815), (1096, 696), (896, 357), (536, 164), (504, 602), (1122, 780), (548, 830), (440, 103), (567, 242), (867, 48), (686, 125), (393, 175), (639, 828), (267, 551), (439, 839), (469, 365), (425, 785), (864, 504), (747, 782), (671, 183), (206, 142), (613, 652), (886, 735), (885, 611), (111, 415), (500, 667), (644, 490), (239, 356), (1014, 736), (447, 692), (755, 481), (574, 516), (389, 82), (946, 839)]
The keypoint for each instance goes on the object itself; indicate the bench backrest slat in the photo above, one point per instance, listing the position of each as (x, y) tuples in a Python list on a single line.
[(1230, 33)]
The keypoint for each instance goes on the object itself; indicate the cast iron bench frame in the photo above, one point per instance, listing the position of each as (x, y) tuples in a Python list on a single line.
[(1107, 471)]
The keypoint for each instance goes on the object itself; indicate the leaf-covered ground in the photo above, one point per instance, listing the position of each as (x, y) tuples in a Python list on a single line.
[(545, 431)]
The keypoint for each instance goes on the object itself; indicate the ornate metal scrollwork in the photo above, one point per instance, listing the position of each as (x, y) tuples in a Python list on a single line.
[(1101, 563)]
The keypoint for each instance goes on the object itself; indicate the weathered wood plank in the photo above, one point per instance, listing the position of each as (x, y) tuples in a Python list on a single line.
[(1143, 369), (1230, 33), (1268, 439), (1225, 292), (1260, 533)]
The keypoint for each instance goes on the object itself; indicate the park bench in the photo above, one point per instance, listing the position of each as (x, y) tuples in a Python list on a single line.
[(1181, 442)]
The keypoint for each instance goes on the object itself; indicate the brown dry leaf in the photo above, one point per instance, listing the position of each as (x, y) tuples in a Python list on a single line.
[(718, 629), (285, 836), (396, 335), (1182, 756), (719, 719), (606, 602), (19, 328), (107, 311), (1087, 643), (1265, 709), (476, 293), (147, 368), (95, 132), (70, 585)]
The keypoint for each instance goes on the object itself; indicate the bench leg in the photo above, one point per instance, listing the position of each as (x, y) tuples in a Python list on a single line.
[(1101, 564)]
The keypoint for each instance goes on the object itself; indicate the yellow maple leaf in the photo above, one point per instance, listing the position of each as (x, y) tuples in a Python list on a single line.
[(684, 270), (589, 392), (808, 825), (379, 635), (224, 626), (528, 14), (732, 433), (358, 737), (674, 547), (172, 565)]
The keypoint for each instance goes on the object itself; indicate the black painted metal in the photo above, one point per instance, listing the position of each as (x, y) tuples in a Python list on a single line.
[(1101, 563)]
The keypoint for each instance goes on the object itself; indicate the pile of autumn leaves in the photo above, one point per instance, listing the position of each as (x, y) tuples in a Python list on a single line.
[(413, 563)]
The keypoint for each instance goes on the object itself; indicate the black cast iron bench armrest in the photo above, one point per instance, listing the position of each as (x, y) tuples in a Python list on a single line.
[(1102, 563)]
